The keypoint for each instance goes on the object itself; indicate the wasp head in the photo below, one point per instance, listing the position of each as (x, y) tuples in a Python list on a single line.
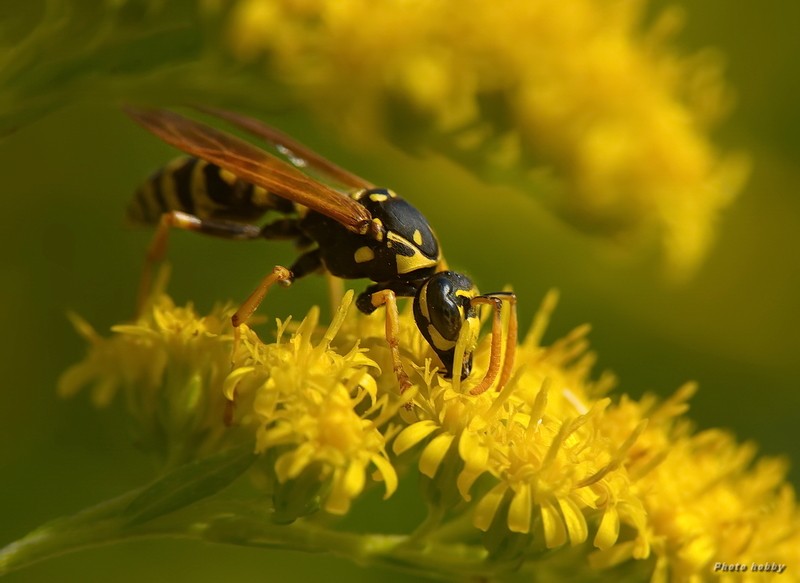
[(442, 307)]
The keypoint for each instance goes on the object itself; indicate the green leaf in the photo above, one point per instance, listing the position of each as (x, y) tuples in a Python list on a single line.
[(188, 484)]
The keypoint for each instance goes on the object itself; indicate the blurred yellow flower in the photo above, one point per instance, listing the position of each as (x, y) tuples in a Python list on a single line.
[(170, 364), (585, 93), (706, 501)]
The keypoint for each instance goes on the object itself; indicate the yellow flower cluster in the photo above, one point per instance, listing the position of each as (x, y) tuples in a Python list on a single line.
[(171, 364), (542, 442), (317, 409), (547, 462), (707, 504), (584, 93)]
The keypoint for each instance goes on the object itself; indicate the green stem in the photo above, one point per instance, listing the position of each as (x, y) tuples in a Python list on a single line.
[(92, 527), (236, 523), (387, 550)]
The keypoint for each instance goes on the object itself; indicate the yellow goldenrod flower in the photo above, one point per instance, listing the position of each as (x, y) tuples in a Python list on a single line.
[(316, 408), (584, 92), (547, 473), (540, 440), (171, 364), (706, 505)]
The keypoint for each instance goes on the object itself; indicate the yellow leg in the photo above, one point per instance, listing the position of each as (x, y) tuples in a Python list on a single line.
[(511, 342), (180, 220), (158, 249), (250, 305), (279, 274), (387, 297), (494, 356)]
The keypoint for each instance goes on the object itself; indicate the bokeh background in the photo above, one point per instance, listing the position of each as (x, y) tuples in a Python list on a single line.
[(67, 176)]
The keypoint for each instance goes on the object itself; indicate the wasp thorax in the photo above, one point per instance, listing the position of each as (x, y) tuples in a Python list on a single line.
[(441, 308)]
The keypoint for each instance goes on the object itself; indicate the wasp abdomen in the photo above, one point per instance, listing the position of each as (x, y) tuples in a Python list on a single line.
[(198, 188)]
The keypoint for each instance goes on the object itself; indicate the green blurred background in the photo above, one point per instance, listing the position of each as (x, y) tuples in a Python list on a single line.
[(67, 178)]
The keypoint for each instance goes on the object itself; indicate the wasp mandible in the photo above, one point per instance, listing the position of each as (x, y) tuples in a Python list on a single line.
[(226, 185)]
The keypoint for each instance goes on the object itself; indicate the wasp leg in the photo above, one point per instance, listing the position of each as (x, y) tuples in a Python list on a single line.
[(250, 305), (281, 229), (305, 264), (388, 298), (496, 300), (279, 273), (401, 289), (180, 220)]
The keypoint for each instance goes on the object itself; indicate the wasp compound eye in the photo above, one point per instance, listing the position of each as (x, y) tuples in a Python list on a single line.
[(441, 307)]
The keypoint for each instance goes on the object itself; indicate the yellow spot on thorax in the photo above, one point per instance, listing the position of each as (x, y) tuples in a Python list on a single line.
[(417, 237), (363, 254), (406, 264)]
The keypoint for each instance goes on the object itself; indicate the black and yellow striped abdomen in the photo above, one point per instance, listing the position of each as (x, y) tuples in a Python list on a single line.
[(198, 188)]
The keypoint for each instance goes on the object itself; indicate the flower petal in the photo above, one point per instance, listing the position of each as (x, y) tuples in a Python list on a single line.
[(555, 534), (608, 531), (338, 501), (229, 386), (412, 435), (387, 473), (434, 453), (519, 512), (487, 507), (575, 521)]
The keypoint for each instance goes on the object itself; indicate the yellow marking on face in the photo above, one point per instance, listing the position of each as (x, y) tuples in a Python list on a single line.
[(358, 194), (423, 303), (377, 197), (227, 176), (392, 194), (469, 294), (417, 237), (363, 254), (439, 342), (407, 264)]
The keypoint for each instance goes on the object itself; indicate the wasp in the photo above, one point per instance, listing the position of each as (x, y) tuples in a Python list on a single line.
[(344, 226)]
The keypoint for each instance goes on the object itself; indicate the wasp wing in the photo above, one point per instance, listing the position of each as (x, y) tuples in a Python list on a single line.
[(299, 154), (253, 165)]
